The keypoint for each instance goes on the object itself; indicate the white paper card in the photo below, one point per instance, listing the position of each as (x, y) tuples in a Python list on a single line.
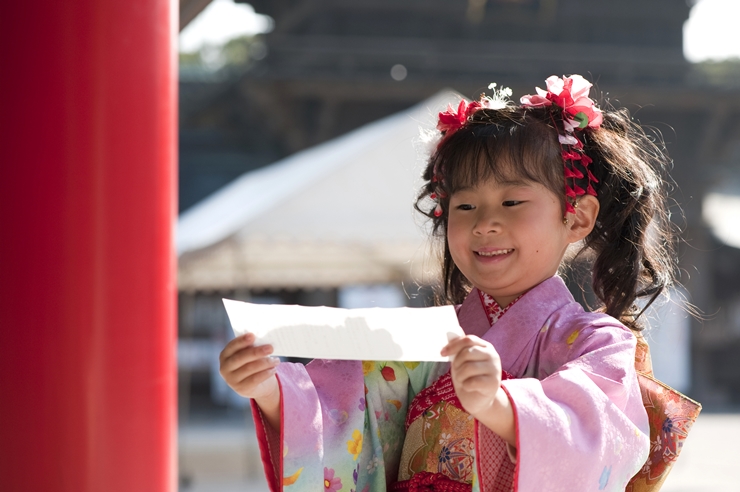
[(404, 334)]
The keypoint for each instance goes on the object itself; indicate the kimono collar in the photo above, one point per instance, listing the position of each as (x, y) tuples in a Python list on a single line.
[(492, 308), (518, 328)]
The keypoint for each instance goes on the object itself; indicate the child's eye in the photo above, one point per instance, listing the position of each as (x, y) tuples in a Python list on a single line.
[(465, 206), (511, 203)]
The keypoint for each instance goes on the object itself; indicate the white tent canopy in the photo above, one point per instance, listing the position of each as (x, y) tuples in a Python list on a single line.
[(337, 214)]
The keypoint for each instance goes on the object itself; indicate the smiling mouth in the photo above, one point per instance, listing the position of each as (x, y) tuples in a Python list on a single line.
[(497, 252)]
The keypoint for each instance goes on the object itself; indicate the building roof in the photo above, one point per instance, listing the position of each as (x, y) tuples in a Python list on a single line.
[(336, 214)]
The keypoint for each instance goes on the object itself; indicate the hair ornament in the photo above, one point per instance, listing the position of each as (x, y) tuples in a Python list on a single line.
[(568, 98), (452, 120), (498, 100), (571, 95), (578, 112), (448, 123)]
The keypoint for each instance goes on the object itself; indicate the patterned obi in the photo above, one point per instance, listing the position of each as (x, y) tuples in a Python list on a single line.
[(439, 448)]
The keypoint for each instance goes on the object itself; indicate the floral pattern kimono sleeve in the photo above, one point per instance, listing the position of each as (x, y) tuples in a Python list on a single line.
[(342, 424)]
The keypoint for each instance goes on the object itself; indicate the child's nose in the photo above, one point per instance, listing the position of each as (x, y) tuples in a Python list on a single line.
[(487, 224)]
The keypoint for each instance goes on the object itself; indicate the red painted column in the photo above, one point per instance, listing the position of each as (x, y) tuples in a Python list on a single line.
[(87, 206)]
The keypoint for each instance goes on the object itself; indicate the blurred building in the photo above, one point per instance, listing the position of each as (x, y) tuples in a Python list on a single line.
[(331, 67)]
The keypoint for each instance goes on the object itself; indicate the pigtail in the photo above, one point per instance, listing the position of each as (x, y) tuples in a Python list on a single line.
[(632, 242)]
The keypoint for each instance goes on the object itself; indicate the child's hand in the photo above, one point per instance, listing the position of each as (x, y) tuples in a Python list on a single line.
[(476, 375), (248, 370), (476, 372)]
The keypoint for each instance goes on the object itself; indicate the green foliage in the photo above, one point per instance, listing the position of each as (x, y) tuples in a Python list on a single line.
[(724, 73), (237, 53)]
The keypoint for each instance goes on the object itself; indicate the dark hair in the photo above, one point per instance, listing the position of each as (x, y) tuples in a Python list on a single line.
[(631, 246)]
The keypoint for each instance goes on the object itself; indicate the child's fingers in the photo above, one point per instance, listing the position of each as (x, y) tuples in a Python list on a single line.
[(463, 366), (476, 355), (474, 352), (474, 369), (244, 356), (482, 383), (235, 345), (458, 344), (249, 383), (243, 372)]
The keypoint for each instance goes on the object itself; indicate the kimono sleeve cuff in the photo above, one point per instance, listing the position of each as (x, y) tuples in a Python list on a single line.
[(512, 451), (566, 415), (270, 444)]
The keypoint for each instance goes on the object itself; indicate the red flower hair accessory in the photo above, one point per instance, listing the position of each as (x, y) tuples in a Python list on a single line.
[(452, 120), (578, 112), (449, 122)]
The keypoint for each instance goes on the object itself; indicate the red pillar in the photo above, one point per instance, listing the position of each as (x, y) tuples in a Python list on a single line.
[(87, 206)]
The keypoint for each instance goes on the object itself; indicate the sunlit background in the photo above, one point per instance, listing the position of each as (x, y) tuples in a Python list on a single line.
[(299, 158)]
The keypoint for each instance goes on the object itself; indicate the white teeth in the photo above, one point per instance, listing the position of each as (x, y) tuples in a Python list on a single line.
[(494, 253)]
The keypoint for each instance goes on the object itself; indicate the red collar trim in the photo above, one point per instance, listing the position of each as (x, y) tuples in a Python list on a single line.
[(491, 307)]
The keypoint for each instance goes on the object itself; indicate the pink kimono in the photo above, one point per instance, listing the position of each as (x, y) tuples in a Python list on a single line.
[(580, 421)]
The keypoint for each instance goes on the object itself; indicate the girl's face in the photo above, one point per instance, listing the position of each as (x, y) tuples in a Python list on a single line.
[(507, 237)]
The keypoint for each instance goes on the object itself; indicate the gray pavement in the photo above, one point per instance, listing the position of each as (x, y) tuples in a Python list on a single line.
[(221, 457), (224, 458)]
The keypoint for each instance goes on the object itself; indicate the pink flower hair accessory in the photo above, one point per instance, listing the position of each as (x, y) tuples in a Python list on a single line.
[(571, 95), (578, 112)]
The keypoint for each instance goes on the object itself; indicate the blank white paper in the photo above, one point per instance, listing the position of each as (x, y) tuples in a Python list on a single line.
[(403, 334)]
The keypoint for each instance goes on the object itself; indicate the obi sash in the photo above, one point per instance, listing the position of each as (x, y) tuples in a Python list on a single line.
[(440, 446)]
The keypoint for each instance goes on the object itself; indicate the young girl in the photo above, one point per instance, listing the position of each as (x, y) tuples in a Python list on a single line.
[(540, 395)]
